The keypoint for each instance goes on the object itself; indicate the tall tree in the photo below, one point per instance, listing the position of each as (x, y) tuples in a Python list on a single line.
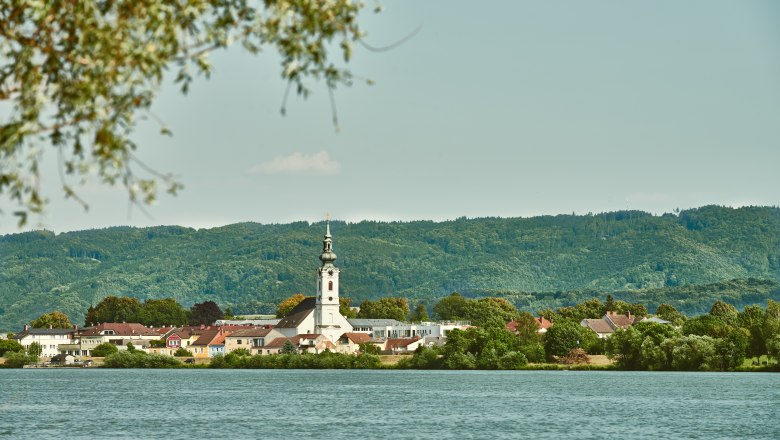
[(345, 308), (54, 319), (452, 307), (669, 313), (289, 304), (563, 336), (385, 308), (725, 312), (160, 312), (79, 74), (205, 313), (419, 314), (34, 350), (114, 309)]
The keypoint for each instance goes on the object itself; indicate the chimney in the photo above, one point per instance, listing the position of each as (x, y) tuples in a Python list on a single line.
[(628, 314), (50, 327), (26, 327)]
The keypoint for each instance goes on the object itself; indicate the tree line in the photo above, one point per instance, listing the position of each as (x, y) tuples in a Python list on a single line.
[(535, 263)]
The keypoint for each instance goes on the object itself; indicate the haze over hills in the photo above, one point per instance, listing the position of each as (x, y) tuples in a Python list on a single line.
[(530, 261)]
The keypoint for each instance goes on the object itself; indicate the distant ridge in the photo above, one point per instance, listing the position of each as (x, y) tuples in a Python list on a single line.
[(251, 266)]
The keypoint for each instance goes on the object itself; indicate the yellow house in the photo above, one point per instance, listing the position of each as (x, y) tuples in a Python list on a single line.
[(253, 339)]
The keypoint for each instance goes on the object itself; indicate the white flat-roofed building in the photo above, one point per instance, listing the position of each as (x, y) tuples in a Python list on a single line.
[(390, 328)]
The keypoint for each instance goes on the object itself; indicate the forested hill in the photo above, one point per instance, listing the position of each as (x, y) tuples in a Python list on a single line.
[(252, 266)]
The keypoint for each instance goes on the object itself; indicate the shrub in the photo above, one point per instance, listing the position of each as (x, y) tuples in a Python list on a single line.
[(105, 349), (241, 352), (461, 361), (512, 361), (139, 359), (17, 359), (9, 346), (182, 352)]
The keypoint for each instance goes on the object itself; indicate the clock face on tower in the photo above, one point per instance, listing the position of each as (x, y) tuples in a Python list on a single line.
[(330, 272)]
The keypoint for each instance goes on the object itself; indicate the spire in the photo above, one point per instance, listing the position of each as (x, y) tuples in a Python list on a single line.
[(327, 257)]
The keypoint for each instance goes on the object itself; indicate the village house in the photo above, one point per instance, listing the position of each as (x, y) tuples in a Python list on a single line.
[(253, 339), (308, 343), (350, 342), (50, 339), (117, 333), (209, 344), (610, 322), (600, 326), (542, 324), (402, 345)]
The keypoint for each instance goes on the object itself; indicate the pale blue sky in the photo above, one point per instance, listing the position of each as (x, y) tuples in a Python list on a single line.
[(504, 109)]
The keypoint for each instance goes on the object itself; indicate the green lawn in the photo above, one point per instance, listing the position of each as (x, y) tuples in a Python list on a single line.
[(761, 359)]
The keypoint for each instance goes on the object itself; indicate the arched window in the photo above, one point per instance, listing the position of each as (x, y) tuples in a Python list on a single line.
[(330, 285)]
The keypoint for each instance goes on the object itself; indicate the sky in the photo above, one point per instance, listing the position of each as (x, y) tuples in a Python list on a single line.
[(505, 108)]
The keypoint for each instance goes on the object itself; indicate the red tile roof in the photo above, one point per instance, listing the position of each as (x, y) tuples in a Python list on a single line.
[(215, 336), (394, 343), (357, 338), (251, 332), (598, 325), (119, 329), (276, 343), (542, 323), (619, 320)]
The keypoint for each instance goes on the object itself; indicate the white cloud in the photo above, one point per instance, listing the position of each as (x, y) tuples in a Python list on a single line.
[(316, 164)]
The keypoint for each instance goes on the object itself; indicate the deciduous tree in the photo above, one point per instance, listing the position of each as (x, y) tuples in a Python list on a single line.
[(384, 308), (55, 319), (10, 346), (182, 352), (562, 337), (114, 309), (289, 304), (160, 312), (205, 313), (34, 350), (419, 314), (78, 75), (104, 349)]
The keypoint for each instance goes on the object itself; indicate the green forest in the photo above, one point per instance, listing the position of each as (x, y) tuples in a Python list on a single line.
[(687, 259)]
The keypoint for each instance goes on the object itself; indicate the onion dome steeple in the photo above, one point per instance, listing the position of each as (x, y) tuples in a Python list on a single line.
[(327, 257)]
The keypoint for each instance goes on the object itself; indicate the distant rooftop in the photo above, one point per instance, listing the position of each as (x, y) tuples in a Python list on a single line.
[(257, 322)]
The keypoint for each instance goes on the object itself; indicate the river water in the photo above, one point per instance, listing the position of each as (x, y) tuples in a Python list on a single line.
[(351, 404)]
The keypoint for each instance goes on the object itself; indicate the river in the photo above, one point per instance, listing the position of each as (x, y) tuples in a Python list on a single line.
[(380, 404)]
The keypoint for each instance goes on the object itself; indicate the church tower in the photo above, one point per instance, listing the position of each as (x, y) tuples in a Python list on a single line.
[(327, 319)]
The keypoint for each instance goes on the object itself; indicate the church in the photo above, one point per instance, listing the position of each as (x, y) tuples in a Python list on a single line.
[(319, 314)]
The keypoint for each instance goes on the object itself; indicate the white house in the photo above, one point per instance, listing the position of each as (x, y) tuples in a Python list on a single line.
[(117, 333), (50, 339)]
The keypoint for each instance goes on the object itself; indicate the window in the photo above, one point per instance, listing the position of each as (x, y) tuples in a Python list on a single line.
[(330, 285), (238, 341)]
